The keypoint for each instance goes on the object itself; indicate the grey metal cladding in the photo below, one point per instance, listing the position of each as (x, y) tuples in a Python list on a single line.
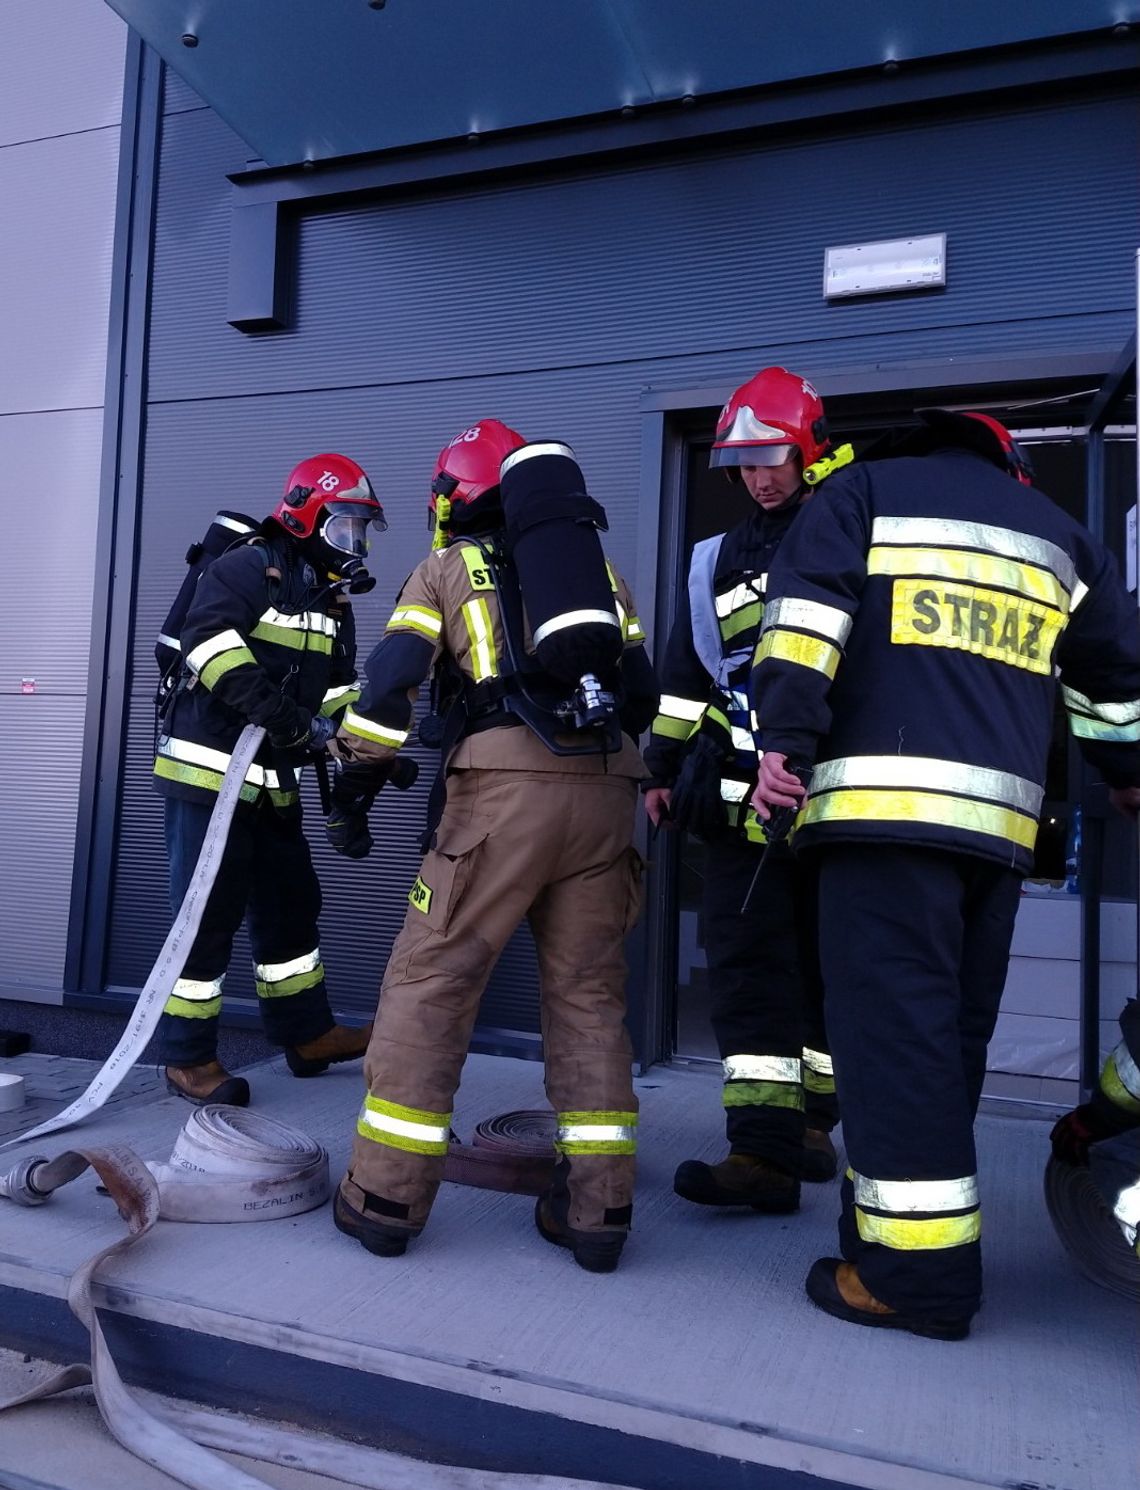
[(63, 70), (652, 261), (38, 803)]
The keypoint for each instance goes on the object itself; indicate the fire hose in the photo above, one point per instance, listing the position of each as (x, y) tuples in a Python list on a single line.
[(512, 1152), (1100, 1239)]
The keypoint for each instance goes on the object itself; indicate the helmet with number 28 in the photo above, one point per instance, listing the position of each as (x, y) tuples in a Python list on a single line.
[(466, 475)]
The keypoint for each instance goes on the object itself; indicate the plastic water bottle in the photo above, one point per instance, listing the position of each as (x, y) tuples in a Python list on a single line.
[(1073, 854)]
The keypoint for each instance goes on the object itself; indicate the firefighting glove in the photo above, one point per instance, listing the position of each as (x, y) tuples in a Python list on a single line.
[(697, 805), (297, 729), (354, 789), (347, 833)]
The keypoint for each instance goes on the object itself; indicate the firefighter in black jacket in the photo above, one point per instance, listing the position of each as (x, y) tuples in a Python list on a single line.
[(268, 639), (766, 1007), (919, 613)]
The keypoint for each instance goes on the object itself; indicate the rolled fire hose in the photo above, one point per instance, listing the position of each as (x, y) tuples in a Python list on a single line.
[(227, 1165), (1088, 1230), (512, 1152), (175, 950)]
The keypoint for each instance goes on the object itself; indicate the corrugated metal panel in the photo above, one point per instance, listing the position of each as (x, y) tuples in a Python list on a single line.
[(717, 251), (63, 69), (55, 265), (39, 793), (554, 305), (178, 97)]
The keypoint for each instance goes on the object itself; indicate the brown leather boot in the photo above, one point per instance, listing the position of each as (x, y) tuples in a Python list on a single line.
[(820, 1161), (836, 1288), (741, 1179), (210, 1082), (344, 1042)]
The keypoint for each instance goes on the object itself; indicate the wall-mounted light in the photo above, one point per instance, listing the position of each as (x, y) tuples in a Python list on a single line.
[(884, 268)]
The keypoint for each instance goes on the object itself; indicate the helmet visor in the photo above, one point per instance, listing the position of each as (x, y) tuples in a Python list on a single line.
[(347, 531), (750, 455)]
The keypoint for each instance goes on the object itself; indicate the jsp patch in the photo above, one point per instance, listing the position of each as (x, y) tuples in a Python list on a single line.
[(1005, 628), (420, 896)]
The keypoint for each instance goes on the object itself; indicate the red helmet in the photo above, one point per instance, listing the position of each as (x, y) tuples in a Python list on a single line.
[(326, 481), (767, 418), (467, 471), (996, 443)]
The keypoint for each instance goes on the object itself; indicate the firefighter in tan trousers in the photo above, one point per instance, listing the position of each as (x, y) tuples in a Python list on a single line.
[(526, 832)]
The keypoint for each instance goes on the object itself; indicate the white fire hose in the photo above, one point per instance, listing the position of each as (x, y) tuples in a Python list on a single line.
[(227, 1165)]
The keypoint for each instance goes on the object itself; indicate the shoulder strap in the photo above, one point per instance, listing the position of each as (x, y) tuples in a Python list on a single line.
[(702, 603)]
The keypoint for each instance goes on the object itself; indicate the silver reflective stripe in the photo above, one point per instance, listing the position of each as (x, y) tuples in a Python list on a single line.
[(198, 990), (924, 771), (169, 641), (681, 708), (809, 615), (384, 1122), (762, 1068), (275, 972), (213, 760), (332, 694), (225, 641), (1126, 713), (733, 791), (231, 523), (1080, 590), (942, 532), (306, 620), (575, 618), (1127, 1070), (369, 729), (817, 1061), (901, 1196), (748, 592), (742, 739), (595, 1133), (529, 452), (1127, 1211)]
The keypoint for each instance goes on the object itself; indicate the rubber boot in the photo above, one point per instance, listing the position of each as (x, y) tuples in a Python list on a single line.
[(741, 1179), (381, 1238), (343, 1042), (836, 1288), (210, 1082), (820, 1161), (596, 1251)]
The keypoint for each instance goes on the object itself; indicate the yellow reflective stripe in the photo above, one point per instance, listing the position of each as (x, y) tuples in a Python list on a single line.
[(338, 698), (764, 1094), (299, 641), (921, 807), (793, 646), (369, 729), (900, 1196), (199, 776), (1092, 729), (596, 1133), (634, 630), (672, 729), (971, 568), (809, 615), (477, 618), (909, 1235), (940, 532), (967, 618), (188, 1009), (217, 667), (713, 715), (929, 771), (305, 620), (1120, 1080), (761, 1068), (213, 760), (1111, 713), (1108, 721), (408, 1128), (418, 618), (742, 620)]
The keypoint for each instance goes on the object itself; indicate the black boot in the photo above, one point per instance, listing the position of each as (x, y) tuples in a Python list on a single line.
[(835, 1287), (820, 1161), (377, 1237), (596, 1251), (741, 1179)]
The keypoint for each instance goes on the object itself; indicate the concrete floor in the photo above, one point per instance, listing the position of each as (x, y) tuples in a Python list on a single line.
[(703, 1343)]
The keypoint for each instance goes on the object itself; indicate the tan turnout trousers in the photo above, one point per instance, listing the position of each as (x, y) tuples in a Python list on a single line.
[(554, 847)]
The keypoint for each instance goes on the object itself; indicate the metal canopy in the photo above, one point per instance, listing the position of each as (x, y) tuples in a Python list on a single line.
[(316, 79)]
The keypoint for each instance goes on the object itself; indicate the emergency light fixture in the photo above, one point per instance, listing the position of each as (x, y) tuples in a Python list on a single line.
[(883, 268)]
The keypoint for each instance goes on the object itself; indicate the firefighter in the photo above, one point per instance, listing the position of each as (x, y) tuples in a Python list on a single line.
[(779, 1092), (527, 831), (917, 617), (267, 639)]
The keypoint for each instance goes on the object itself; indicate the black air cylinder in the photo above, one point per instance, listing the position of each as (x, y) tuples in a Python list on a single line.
[(552, 535)]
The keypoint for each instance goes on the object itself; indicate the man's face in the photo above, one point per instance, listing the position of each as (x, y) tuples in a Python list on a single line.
[(771, 486)]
